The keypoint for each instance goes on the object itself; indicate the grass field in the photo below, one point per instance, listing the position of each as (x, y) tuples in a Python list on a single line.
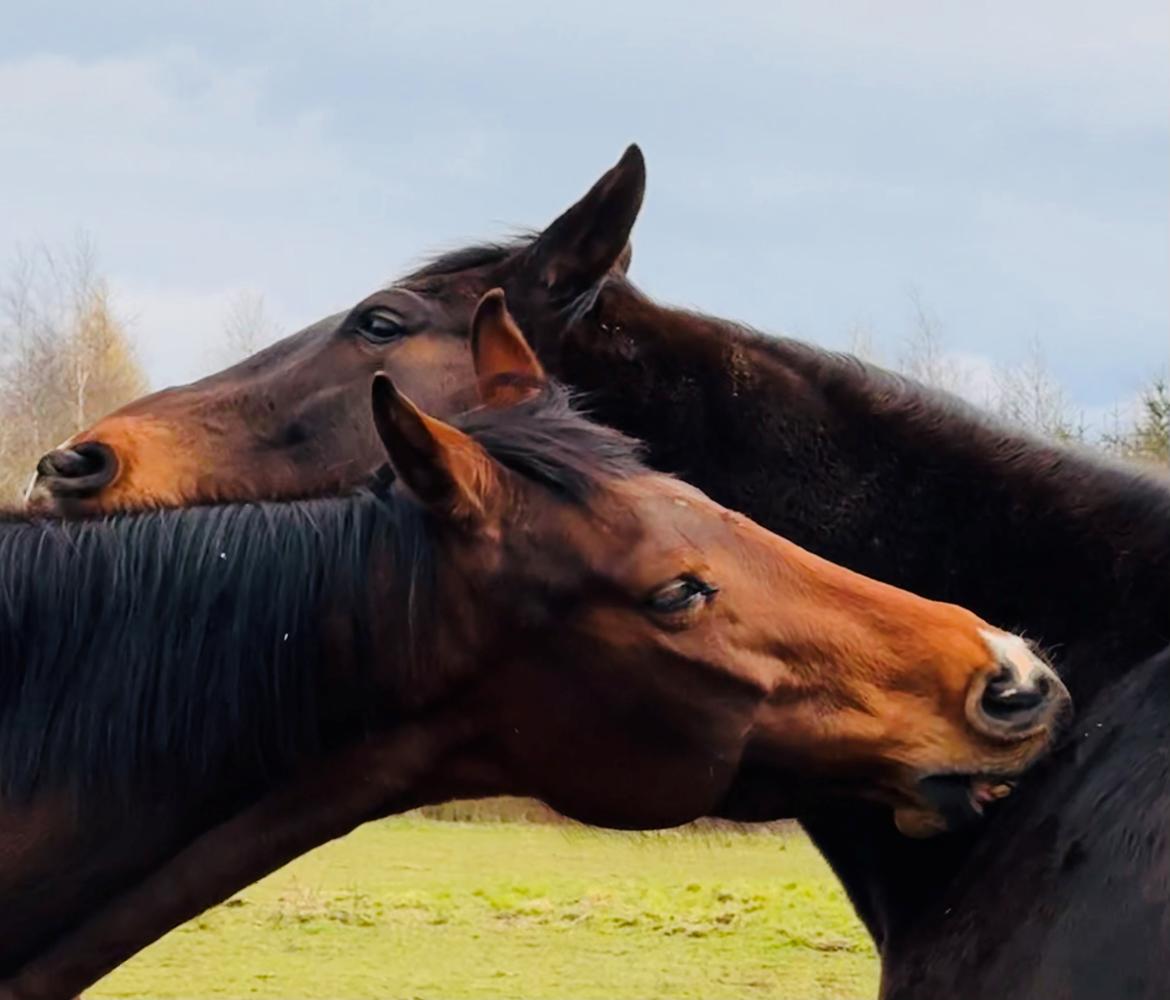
[(413, 907)]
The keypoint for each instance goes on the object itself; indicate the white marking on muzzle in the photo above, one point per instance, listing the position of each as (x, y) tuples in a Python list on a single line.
[(1008, 648)]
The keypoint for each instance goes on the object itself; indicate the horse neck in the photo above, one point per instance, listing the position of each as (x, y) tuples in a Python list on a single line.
[(890, 479)]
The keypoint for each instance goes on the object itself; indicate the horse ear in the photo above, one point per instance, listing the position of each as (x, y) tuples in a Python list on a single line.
[(445, 469), (591, 237), (505, 365)]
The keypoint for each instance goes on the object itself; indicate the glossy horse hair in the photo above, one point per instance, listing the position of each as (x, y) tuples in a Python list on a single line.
[(141, 652), (168, 648)]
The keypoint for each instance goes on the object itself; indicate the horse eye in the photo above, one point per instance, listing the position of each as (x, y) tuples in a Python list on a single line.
[(379, 326), (684, 594)]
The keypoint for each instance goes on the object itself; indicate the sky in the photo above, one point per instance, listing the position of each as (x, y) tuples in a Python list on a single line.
[(813, 169)]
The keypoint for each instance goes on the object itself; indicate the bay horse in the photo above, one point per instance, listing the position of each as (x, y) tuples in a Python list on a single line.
[(193, 697), (870, 470)]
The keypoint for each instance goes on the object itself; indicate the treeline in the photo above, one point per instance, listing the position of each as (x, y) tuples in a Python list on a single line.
[(67, 358), (1027, 393)]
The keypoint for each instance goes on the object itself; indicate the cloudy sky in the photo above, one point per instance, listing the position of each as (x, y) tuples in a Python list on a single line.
[(812, 167)]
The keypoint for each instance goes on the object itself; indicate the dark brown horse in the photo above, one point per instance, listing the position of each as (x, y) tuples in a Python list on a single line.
[(867, 469), (191, 698)]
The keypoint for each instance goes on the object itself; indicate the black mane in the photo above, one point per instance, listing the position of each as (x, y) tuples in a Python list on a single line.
[(143, 652), (547, 439), (470, 258)]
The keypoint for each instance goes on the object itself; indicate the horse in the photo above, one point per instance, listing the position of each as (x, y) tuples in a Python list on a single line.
[(870, 470), (196, 696)]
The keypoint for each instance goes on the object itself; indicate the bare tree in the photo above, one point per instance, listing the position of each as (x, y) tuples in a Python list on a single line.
[(65, 358), (247, 327), (105, 372), (1029, 395), (925, 357), (1147, 438), (862, 345)]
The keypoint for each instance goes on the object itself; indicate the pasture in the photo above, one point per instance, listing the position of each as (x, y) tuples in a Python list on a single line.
[(417, 907)]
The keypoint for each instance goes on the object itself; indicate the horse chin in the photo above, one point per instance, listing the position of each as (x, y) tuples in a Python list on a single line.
[(950, 802), (919, 823)]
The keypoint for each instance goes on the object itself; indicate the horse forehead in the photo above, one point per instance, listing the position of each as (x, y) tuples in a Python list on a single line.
[(460, 289), (659, 512), (677, 503)]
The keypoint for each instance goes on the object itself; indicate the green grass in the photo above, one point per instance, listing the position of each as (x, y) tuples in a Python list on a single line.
[(414, 907)]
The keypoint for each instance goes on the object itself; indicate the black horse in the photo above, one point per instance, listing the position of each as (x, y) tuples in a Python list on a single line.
[(916, 488)]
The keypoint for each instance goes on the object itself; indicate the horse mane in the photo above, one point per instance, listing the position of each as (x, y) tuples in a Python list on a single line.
[(932, 413), (471, 258), (148, 650), (548, 439), (140, 653)]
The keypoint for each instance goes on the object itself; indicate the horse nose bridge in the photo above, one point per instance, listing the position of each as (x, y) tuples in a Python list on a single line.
[(176, 417), (176, 404), (1016, 663)]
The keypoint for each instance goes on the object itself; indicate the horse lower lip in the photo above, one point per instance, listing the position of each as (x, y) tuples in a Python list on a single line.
[(961, 798)]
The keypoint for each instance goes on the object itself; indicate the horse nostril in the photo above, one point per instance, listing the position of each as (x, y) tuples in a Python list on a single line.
[(1009, 697), (67, 463), (81, 470)]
